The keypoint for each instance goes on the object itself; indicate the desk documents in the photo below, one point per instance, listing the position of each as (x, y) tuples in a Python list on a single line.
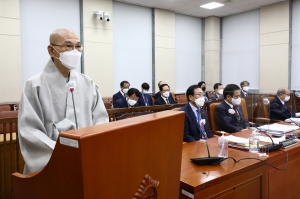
[(278, 128)]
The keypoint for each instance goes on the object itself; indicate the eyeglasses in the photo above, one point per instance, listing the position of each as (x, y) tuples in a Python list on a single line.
[(200, 94), (69, 47)]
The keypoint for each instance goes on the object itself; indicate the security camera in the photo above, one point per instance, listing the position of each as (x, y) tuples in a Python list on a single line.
[(99, 15), (106, 16)]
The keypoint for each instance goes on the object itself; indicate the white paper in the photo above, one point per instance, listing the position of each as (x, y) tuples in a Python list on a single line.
[(267, 139), (293, 120), (236, 139), (278, 127)]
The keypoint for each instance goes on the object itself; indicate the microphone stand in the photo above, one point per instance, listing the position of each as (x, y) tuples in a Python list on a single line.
[(209, 160)]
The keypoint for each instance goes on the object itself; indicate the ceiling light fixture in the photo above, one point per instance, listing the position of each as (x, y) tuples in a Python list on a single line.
[(212, 5)]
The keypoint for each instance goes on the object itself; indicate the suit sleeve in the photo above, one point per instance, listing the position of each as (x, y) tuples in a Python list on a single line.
[(280, 112), (224, 121), (186, 134), (156, 102), (208, 131), (114, 99), (150, 100), (117, 104)]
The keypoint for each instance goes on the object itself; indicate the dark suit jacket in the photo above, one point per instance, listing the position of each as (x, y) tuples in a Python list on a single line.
[(117, 96), (157, 95), (122, 103), (279, 111), (146, 97), (229, 122), (191, 127), (161, 101), (214, 96), (243, 95)]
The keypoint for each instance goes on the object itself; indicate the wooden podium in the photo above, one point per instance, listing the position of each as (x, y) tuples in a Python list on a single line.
[(133, 158)]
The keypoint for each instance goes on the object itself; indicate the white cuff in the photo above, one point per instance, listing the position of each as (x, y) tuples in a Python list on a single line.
[(297, 114)]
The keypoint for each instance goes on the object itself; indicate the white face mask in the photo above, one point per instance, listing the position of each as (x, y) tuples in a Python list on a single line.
[(145, 92), (246, 88), (125, 90), (70, 59), (200, 101), (166, 94), (131, 102), (287, 98), (236, 102), (220, 92)]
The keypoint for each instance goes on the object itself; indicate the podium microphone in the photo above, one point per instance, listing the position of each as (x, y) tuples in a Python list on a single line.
[(209, 160), (71, 85)]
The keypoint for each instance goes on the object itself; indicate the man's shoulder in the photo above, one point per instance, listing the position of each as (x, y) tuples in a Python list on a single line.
[(185, 107)]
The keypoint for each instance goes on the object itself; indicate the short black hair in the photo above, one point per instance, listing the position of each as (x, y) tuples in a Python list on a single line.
[(191, 90), (216, 86), (244, 82), (161, 86), (145, 86), (124, 82), (229, 90), (200, 83), (132, 91)]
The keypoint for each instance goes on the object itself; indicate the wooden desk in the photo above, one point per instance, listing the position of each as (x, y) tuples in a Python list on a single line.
[(247, 179)]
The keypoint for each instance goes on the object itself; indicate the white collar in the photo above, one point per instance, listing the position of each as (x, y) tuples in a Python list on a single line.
[(231, 106), (193, 107), (244, 92), (281, 101)]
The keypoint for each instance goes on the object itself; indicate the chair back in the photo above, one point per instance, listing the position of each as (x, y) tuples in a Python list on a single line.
[(211, 111), (265, 108), (10, 157), (244, 108)]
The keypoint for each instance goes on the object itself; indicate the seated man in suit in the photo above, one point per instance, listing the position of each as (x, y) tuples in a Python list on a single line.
[(202, 85), (145, 99), (278, 109), (196, 124), (218, 88), (158, 94), (123, 91), (165, 97), (130, 100), (245, 88), (229, 113)]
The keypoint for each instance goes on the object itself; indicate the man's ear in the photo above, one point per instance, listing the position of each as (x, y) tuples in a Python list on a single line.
[(51, 51), (190, 97)]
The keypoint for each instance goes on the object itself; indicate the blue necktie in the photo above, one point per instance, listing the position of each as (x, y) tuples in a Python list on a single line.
[(201, 127)]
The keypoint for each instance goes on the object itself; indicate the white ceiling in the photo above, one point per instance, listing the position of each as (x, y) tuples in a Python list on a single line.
[(192, 7)]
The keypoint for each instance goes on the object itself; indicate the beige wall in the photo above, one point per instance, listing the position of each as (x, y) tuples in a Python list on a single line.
[(10, 52), (274, 47), (212, 52), (165, 48), (98, 46)]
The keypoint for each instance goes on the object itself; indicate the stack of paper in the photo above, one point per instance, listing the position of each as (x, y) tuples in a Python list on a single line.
[(293, 120), (278, 128)]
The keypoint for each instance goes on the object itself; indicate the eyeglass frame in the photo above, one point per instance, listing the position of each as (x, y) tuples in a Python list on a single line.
[(65, 47)]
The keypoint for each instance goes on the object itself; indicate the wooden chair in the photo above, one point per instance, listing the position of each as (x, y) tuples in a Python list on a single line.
[(114, 114), (10, 157), (8, 114)]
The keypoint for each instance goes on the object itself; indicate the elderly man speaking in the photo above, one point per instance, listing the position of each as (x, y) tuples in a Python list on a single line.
[(46, 106)]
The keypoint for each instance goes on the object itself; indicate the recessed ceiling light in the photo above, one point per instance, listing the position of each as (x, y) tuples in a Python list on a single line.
[(212, 5)]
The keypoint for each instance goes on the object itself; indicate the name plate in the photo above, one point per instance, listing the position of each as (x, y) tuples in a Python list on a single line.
[(69, 142), (188, 194)]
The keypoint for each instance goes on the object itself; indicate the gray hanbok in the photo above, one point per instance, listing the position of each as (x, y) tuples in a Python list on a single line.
[(46, 108)]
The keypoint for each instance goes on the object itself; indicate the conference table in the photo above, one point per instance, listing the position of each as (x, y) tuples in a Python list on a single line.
[(247, 179)]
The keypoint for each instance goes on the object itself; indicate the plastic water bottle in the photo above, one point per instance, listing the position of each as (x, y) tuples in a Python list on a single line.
[(254, 142), (223, 146)]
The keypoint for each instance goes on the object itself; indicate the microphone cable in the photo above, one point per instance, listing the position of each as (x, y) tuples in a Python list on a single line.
[(284, 168)]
